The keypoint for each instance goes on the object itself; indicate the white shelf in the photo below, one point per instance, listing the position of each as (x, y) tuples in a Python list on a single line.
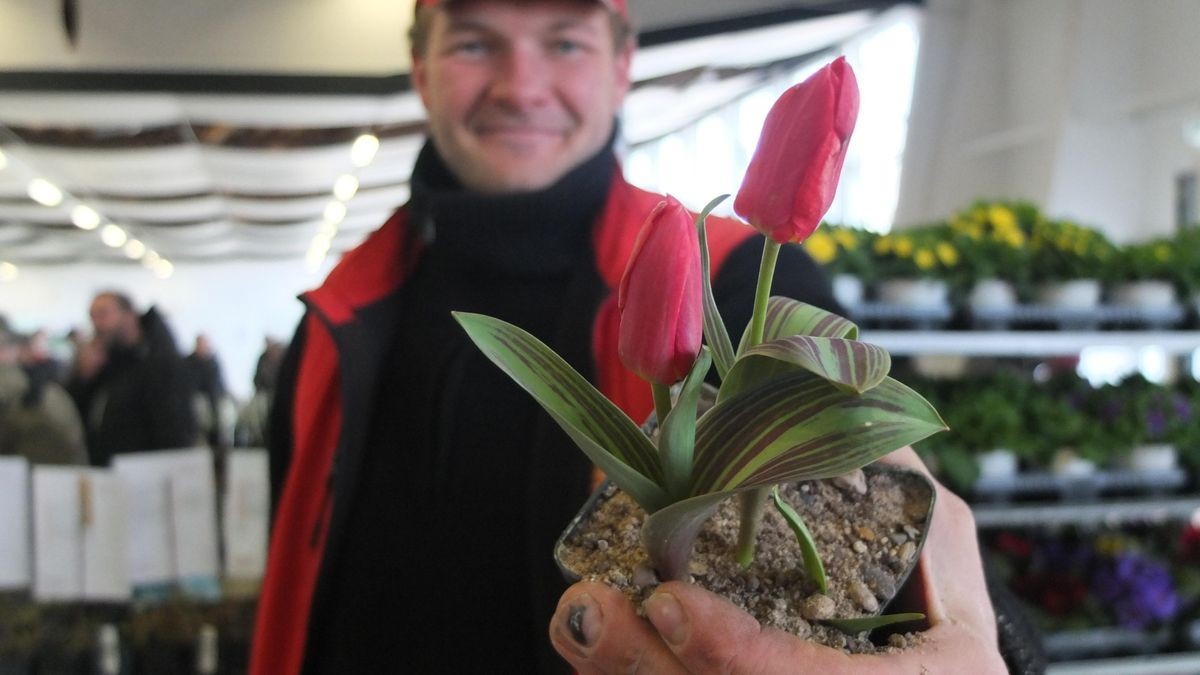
[(1186, 663), (1026, 343), (1113, 513)]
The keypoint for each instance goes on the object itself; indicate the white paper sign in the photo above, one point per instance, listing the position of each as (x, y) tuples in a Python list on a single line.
[(79, 521), (173, 531), (246, 514), (15, 532)]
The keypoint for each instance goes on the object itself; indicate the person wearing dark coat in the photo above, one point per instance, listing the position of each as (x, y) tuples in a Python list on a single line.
[(130, 384)]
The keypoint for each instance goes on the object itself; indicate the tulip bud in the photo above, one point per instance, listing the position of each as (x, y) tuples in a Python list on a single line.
[(660, 297), (792, 177)]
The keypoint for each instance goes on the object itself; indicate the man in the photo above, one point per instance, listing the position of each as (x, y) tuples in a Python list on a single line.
[(418, 491), (129, 384), (205, 373)]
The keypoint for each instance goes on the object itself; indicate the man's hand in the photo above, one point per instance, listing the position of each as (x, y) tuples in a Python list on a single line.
[(690, 630)]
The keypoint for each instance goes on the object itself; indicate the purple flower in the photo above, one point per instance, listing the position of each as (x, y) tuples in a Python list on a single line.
[(1139, 591)]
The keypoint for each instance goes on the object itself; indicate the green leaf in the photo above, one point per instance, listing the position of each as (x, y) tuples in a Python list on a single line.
[(850, 365), (854, 626), (605, 434), (800, 427), (668, 534), (787, 317), (808, 547), (678, 439), (714, 326)]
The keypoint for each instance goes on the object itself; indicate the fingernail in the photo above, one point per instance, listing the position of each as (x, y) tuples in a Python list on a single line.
[(583, 620), (665, 612)]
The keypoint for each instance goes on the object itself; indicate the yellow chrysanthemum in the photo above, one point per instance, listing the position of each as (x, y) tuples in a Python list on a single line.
[(1162, 253), (883, 245), (947, 254), (924, 259), (846, 239), (1002, 217), (1081, 248), (821, 247), (903, 247)]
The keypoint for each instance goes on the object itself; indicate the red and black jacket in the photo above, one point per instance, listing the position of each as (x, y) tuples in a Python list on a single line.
[(324, 403)]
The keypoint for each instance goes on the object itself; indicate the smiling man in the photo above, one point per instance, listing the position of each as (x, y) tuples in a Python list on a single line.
[(417, 491)]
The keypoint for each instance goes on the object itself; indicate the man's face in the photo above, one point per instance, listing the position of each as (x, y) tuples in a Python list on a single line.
[(110, 321), (518, 94)]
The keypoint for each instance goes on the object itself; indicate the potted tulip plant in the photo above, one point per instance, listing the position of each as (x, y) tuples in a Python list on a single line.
[(800, 398)]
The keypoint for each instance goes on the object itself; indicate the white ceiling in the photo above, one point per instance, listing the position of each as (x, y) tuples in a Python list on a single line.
[(203, 177)]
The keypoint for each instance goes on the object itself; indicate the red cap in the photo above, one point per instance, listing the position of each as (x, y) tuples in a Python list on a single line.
[(620, 7)]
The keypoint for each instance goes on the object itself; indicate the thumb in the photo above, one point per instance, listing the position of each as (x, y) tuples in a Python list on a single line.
[(708, 634)]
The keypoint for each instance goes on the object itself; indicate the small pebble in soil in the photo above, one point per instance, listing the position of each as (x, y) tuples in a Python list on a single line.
[(859, 547), (907, 551), (879, 581), (817, 607), (898, 538), (912, 532), (863, 596), (866, 534), (854, 482), (897, 640), (602, 545)]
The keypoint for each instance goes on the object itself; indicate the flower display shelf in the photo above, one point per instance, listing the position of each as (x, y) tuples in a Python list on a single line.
[(1003, 488), (1074, 319), (1186, 663), (1112, 513), (1105, 641), (876, 313), (1033, 343)]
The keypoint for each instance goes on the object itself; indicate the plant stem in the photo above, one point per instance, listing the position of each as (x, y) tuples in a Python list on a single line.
[(752, 504), (662, 402), (766, 273)]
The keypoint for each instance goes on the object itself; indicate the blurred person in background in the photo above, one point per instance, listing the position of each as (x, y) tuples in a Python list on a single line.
[(37, 418), (252, 420), (130, 384), (205, 372)]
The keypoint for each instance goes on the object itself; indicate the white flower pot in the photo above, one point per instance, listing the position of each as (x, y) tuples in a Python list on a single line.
[(1070, 465), (992, 294), (1073, 294), (915, 293), (1149, 294), (848, 290), (997, 464), (1155, 458)]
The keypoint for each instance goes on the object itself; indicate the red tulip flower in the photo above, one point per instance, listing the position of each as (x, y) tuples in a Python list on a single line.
[(792, 177), (660, 297)]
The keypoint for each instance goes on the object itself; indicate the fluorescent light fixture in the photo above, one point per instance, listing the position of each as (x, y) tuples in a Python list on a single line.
[(134, 249), (150, 259), (335, 212), (8, 272), (44, 192), (363, 151), (163, 269), (85, 217), (345, 187), (113, 235)]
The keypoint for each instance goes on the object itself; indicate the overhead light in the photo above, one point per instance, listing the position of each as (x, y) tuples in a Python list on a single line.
[(150, 259), (8, 272), (163, 269), (335, 212), (134, 249), (113, 235), (327, 229), (345, 187), (44, 192), (85, 217), (3, 161), (363, 151)]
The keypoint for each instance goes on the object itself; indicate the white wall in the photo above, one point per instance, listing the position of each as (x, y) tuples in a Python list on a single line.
[(236, 304), (1077, 105)]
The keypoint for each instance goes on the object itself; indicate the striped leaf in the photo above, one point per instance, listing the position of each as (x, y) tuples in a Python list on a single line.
[(676, 444), (605, 434), (714, 327), (800, 427), (787, 317), (850, 365), (669, 534)]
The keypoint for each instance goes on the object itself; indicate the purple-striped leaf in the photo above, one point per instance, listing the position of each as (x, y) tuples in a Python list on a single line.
[(787, 317), (800, 427), (669, 534), (850, 365), (605, 434), (714, 327)]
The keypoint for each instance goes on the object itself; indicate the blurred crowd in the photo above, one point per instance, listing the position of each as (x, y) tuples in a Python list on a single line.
[(123, 385)]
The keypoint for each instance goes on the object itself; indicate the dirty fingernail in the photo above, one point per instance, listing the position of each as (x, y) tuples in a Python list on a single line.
[(665, 612), (583, 620)]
